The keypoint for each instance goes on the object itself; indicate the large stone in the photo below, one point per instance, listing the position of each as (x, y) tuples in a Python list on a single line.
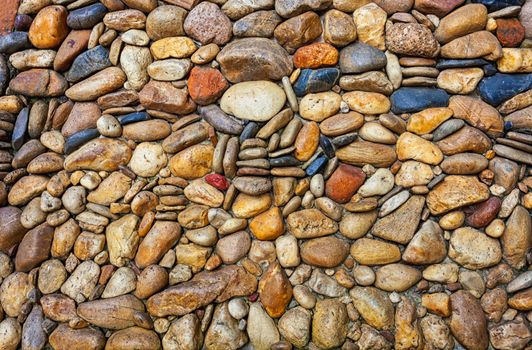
[(310, 223), (39, 82), (370, 21), (473, 249), (474, 45), (254, 59), (415, 99), (164, 96), (344, 183), (411, 39), (465, 20), (360, 58), (517, 237), (298, 31), (427, 246), (374, 306), (122, 239), (468, 323), (218, 30), (261, 328), (329, 324), (401, 224), (99, 84), (500, 87), (100, 154), (49, 27), (477, 113), (324, 251), (256, 24), (192, 162), (454, 192), (275, 290), (410, 146)]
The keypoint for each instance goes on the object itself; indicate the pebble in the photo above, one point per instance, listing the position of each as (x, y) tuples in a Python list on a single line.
[(360, 58), (415, 99)]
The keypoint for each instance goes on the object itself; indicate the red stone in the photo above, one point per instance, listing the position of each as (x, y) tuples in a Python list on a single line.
[(344, 183), (206, 85), (437, 7), (480, 215), (7, 15), (218, 181), (510, 32), (316, 55)]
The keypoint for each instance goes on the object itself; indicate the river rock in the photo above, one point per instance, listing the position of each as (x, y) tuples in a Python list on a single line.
[(410, 146), (165, 97), (256, 24), (468, 323), (373, 252), (165, 21), (329, 324), (396, 277), (474, 45), (261, 329), (360, 58), (49, 27), (516, 239), (266, 97), (294, 326), (298, 31), (293, 8), (311, 81), (205, 85), (34, 248), (370, 21), (464, 164), (374, 306), (361, 153), (338, 28), (427, 246), (465, 20), (99, 84), (324, 252), (478, 142), (401, 224), (500, 87), (415, 99), (224, 330), (64, 338), (261, 58), (344, 183), (460, 80), (477, 113), (134, 61), (27, 188), (219, 30), (100, 154), (474, 250), (310, 223), (13, 231), (39, 82), (456, 191)]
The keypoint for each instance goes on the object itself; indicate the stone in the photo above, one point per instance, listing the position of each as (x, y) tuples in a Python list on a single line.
[(411, 39), (512, 334), (379, 183), (275, 290), (415, 99), (361, 153), (370, 21), (474, 45), (294, 326), (74, 44), (500, 87), (14, 41), (338, 28), (31, 58), (27, 188), (524, 18), (455, 143), (219, 31), (468, 323), (515, 61), (427, 245), (233, 247), (329, 324), (172, 47), (165, 21), (396, 277), (324, 251), (460, 80), (99, 154), (477, 113), (86, 17), (310, 223), (204, 288), (360, 57), (81, 282), (465, 20), (367, 102), (307, 141), (135, 337), (122, 239), (368, 251), (268, 225), (428, 120), (199, 191), (256, 24), (147, 130), (312, 81), (34, 248), (184, 332), (246, 206), (113, 313), (474, 250), (121, 282), (516, 239), (165, 97), (298, 31), (464, 164), (410, 146), (49, 27), (290, 9), (99, 84), (148, 159), (261, 58), (64, 338), (437, 8), (521, 300), (454, 192), (344, 183), (374, 81), (13, 231), (206, 85), (319, 106), (39, 82), (123, 20), (266, 97), (374, 306), (224, 331), (401, 224), (217, 118), (261, 328)]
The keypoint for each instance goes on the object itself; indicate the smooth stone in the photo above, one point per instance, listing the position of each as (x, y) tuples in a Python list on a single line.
[(465, 20), (427, 120), (374, 306), (100, 154), (88, 63), (464, 164), (475, 45), (261, 57), (473, 249), (411, 39), (39, 82), (14, 231), (252, 185), (460, 80), (480, 215), (315, 56), (516, 238), (522, 281), (375, 132), (374, 81), (147, 159), (478, 114), (80, 138), (192, 162), (19, 130), (329, 324), (169, 70), (447, 128), (410, 146), (495, 5), (396, 277), (14, 41), (261, 328), (414, 173), (361, 153), (284, 161), (64, 338), (99, 84), (374, 252), (289, 9), (401, 224), (360, 58), (317, 165), (224, 330), (165, 21), (49, 27), (30, 58), (307, 141), (338, 28), (526, 19), (467, 139), (427, 245), (257, 24), (294, 326), (324, 251), (266, 97), (435, 7), (165, 97), (86, 17), (327, 147), (456, 191), (344, 183), (468, 323), (236, 9), (298, 31), (222, 122), (312, 81), (465, 63), (319, 106), (415, 99), (367, 102), (173, 47), (310, 223), (73, 45), (134, 61), (501, 87)]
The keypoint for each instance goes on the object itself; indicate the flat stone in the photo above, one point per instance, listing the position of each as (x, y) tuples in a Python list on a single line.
[(415, 99), (219, 30), (360, 58), (310, 223), (474, 45), (169, 70), (374, 81), (477, 113), (99, 84), (312, 81), (468, 323), (206, 85), (516, 239), (456, 191), (465, 20), (466, 139), (401, 224), (324, 251), (39, 82), (100, 154), (86, 17), (460, 80), (473, 249)]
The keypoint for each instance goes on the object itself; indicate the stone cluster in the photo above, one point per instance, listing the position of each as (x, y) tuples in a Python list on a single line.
[(266, 174)]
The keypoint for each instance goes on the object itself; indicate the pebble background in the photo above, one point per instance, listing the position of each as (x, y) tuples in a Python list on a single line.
[(260, 174)]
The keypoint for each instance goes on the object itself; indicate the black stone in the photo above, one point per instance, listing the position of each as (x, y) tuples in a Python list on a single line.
[(501, 87), (316, 80), (250, 130), (415, 99), (4, 74), (284, 161), (360, 58), (89, 62), (133, 118), (344, 140), (475, 62), (21, 125), (23, 23), (220, 121), (80, 138), (327, 146), (86, 17), (14, 41), (489, 70)]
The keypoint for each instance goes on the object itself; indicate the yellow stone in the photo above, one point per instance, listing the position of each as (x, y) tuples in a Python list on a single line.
[(428, 120), (177, 47), (515, 61), (246, 206), (367, 102), (192, 162), (410, 146), (268, 225)]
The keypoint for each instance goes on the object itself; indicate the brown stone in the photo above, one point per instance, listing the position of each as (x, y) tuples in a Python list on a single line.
[(267, 226), (437, 7), (315, 56), (467, 139), (474, 45), (411, 39), (480, 215), (34, 247), (192, 162), (344, 183), (465, 20), (338, 28), (218, 30), (510, 32), (83, 116), (100, 154), (307, 141), (517, 237), (468, 323), (454, 192), (74, 44), (522, 300), (324, 251), (39, 83), (360, 153), (275, 290), (162, 236), (298, 31), (478, 114), (66, 338), (12, 230), (163, 96)]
